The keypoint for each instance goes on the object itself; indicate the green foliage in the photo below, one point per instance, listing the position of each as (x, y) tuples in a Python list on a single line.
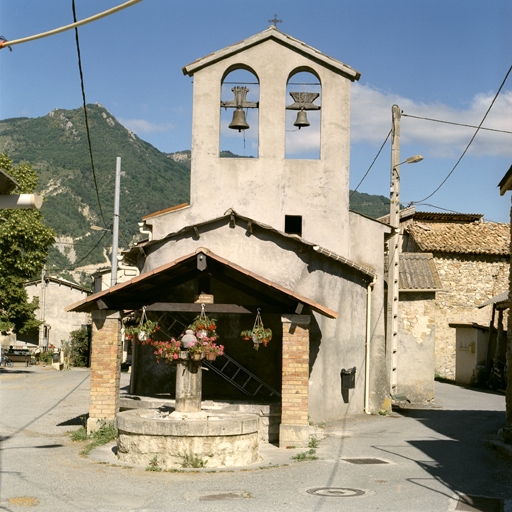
[(193, 461), (24, 247), (153, 465), (79, 347), (313, 442), (56, 145), (106, 433), (79, 435), (370, 205), (309, 455)]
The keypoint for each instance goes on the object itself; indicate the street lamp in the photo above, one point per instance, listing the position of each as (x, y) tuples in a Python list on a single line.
[(393, 245)]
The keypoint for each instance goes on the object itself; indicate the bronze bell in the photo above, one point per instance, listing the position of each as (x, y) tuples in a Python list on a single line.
[(239, 123), (302, 119)]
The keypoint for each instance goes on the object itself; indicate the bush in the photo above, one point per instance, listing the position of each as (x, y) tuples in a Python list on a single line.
[(79, 347)]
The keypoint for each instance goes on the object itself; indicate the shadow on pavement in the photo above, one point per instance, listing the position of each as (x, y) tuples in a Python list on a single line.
[(459, 456)]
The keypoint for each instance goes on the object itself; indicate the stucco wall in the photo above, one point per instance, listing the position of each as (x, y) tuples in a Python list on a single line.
[(367, 248), (269, 187), (467, 282), (57, 297), (334, 344), (416, 346)]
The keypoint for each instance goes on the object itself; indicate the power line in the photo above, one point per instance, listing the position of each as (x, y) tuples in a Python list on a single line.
[(472, 139), (85, 113), (87, 255), (374, 160), (4, 43), (456, 124)]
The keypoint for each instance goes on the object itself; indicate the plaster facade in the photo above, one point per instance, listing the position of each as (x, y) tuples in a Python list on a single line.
[(54, 296), (416, 346), (269, 187), (334, 343)]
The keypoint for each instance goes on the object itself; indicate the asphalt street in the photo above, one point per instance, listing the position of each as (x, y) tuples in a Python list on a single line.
[(419, 459)]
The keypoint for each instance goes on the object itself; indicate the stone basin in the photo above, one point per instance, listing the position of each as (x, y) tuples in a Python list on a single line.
[(221, 439)]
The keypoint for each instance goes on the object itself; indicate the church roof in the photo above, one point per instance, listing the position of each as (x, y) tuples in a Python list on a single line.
[(274, 34), (231, 216)]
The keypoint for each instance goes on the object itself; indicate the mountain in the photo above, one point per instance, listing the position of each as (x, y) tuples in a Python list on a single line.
[(370, 205), (56, 146)]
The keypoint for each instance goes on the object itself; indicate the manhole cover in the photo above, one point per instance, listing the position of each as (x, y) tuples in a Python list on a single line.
[(365, 461), (479, 504), (335, 492)]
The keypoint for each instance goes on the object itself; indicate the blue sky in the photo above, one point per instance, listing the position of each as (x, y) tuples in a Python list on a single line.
[(441, 59)]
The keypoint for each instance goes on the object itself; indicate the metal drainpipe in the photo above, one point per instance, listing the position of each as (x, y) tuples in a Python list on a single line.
[(368, 338)]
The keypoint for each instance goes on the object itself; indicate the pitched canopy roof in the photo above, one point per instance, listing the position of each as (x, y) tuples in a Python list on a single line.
[(274, 34), (153, 287)]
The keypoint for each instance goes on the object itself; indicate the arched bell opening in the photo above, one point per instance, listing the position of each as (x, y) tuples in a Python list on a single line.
[(303, 115), (239, 117)]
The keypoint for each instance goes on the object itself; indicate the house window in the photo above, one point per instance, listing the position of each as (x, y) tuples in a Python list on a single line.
[(243, 143), (303, 90), (293, 224)]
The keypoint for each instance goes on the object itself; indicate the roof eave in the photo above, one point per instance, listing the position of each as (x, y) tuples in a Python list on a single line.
[(280, 37)]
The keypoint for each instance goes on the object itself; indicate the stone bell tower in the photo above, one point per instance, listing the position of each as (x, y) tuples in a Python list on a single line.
[(271, 187)]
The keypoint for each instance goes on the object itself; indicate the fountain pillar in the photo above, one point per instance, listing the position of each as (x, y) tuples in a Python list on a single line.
[(188, 385)]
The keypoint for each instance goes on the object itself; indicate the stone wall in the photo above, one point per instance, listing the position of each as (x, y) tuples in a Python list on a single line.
[(468, 281)]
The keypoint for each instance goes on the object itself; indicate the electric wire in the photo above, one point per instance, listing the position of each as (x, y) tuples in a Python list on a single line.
[(374, 160), (85, 114), (75, 264), (455, 124), (470, 142), (69, 27)]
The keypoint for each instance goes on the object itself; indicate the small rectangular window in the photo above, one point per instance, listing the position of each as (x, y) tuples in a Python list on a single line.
[(293, 224)]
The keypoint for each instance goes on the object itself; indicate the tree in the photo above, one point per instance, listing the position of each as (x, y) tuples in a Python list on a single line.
[(24, 245)]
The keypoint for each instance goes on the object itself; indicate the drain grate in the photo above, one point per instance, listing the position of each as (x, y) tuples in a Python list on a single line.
[(336, 492), (479, 504), (365, 461)]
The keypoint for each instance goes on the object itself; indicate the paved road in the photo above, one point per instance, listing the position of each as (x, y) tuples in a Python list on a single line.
[(432, 457)]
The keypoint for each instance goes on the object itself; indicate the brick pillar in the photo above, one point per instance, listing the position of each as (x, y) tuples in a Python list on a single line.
[(106, 352), (294, 428)]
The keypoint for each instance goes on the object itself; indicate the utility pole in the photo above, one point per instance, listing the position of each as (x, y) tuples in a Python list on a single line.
[(115, 227), (393, 248)]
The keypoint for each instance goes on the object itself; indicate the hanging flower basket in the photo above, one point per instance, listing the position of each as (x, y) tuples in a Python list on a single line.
[(203, 326), (142, 331), (258, 334), (210, 356)]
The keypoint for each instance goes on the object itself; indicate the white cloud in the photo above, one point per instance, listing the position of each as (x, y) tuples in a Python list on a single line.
[(142, 126), (371, 121)]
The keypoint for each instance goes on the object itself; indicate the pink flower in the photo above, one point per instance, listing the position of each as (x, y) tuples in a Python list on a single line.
[(175, 356)]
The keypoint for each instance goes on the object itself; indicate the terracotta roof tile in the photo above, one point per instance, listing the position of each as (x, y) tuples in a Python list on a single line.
[(472, 238)]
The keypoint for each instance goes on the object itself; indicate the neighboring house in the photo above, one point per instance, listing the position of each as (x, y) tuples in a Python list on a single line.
[(419, 283), (270, 233), (472, 261), (54, 295)]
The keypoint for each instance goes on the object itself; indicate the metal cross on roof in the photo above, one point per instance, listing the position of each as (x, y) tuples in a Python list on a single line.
[(275, 21)]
